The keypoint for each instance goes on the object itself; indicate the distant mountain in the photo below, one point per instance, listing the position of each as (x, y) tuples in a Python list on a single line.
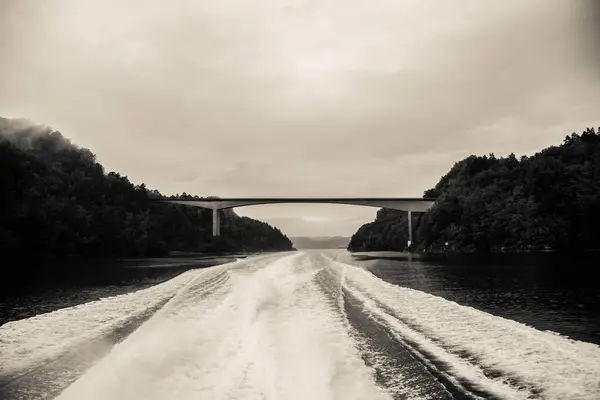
[(321, 242)]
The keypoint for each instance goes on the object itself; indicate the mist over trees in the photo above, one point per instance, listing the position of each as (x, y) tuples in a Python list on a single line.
[(56, 200), (549, 201)]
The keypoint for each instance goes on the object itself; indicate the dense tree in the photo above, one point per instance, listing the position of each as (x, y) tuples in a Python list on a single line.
[(56, 200), (550, 200)]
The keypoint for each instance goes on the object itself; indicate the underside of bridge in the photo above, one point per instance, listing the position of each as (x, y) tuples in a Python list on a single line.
[(407, 204)]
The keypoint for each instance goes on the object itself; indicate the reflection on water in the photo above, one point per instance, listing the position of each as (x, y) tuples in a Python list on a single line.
[(546, 291)]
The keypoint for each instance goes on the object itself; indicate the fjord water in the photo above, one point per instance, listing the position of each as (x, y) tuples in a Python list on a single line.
[(316, 324), (549, 291)]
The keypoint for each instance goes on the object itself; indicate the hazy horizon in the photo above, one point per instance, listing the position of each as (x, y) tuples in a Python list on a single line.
[(301, 98)]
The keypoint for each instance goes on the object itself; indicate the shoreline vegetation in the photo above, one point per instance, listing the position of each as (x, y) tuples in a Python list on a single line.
[(549, 202), (58, 203)]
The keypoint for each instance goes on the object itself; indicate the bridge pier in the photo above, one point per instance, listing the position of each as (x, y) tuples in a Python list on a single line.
[(216, 230), (409, 231)]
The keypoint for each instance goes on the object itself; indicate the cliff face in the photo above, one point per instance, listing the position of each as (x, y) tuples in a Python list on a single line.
[(547, 201)]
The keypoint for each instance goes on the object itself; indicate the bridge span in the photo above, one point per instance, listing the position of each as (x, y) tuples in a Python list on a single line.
[(408, 204)]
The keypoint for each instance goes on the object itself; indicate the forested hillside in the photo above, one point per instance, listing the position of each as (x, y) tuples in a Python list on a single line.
[(56, 200), (550, 200)]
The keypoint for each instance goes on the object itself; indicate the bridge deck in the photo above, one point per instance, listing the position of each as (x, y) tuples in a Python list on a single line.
[(409, 204), (397, 203)]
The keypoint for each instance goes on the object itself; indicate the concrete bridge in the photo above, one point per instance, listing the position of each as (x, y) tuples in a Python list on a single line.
[(407, 204)]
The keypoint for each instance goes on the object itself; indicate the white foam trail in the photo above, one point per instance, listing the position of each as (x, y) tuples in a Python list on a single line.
[(274, 327), (469, 342), (27, 343), (265, 333), (397, 383)]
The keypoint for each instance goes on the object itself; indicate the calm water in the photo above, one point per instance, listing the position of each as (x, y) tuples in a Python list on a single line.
[(546, 291)]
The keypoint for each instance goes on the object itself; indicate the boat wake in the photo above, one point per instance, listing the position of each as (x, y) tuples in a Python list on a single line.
[(295, 327)]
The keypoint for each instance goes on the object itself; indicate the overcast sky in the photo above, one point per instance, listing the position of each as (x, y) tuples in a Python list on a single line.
[(300, 98)]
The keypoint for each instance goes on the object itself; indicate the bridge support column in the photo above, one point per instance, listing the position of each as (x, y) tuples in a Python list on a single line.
[(216, 231), (409, 231)]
